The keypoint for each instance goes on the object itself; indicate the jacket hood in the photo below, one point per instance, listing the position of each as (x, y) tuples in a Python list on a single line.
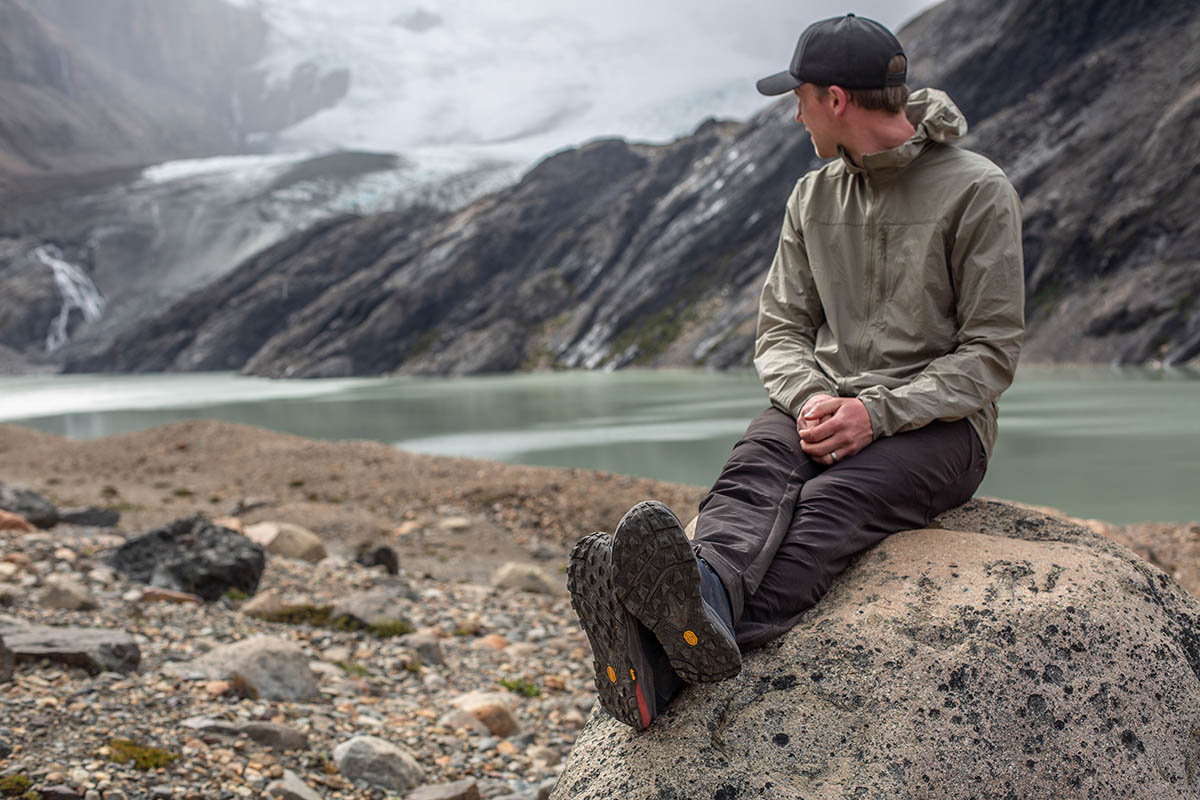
[(936, 119)]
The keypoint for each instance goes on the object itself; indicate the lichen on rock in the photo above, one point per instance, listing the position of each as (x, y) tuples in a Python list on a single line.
[(1005, 653)]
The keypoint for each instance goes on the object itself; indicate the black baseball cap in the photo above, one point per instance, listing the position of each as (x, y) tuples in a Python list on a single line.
[(851, 52)]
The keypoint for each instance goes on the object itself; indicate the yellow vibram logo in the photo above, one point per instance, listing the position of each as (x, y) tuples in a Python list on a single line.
[(612, 674), (691, 638), (632, 674)]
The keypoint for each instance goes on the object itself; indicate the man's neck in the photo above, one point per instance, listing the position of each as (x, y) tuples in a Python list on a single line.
[(874, 132)]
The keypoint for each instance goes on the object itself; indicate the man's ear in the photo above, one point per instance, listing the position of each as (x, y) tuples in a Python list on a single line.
[(841, 101)]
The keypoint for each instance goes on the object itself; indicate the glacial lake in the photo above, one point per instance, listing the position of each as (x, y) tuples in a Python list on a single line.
[(1119, 445)]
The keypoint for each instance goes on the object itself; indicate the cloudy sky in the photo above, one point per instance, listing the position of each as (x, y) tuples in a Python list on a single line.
[(523, 78)]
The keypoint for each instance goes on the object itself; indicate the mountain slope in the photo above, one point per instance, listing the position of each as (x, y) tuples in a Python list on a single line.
[(616, 254)]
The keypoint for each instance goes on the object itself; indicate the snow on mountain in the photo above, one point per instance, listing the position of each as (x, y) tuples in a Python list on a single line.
[(517, 80)]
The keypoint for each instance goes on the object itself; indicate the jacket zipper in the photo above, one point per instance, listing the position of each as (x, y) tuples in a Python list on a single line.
[(869, 288)]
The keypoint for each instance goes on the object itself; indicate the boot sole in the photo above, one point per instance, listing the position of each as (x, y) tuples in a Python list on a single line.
[(616, 656), (656, 578)]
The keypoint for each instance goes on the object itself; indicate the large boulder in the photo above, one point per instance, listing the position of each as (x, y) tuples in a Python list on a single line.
[(1006, 654), (192, 555), (29, 504)]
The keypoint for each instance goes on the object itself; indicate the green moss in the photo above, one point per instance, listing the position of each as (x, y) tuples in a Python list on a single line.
[(1185, 302), (125, 751), (522, 687), (389, 630), (109, 491), (353, 669), (235, 595), (182, 492), (317, 616), (653, 335), (413, 666), (13, 785), (322, 617), (296, 484)]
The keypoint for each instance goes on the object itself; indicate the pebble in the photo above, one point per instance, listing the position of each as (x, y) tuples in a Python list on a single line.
[(403, 689)]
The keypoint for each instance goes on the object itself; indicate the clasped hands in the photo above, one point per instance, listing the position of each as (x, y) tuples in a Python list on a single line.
[(830, 424)]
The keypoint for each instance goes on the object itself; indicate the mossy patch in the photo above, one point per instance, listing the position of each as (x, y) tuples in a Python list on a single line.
[(322, 617), (236, 595), (352, 668), (652, 336), (521, 687), (13, 785), (126, 751)]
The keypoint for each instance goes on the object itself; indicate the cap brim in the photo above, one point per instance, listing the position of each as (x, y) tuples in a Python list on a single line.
[(779, 83)]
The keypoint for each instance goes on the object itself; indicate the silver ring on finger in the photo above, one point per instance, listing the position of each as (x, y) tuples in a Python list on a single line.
[(833, 455)]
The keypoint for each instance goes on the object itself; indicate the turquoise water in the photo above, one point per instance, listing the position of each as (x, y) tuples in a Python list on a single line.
[(1123, 446)]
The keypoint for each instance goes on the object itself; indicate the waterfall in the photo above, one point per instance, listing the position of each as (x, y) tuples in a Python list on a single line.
[(77, 291)]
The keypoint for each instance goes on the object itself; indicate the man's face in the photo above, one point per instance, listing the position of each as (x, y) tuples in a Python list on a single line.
[(814, 113)]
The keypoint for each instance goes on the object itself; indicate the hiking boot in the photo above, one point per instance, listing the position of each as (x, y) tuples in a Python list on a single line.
[(633, 677), (660, 581)]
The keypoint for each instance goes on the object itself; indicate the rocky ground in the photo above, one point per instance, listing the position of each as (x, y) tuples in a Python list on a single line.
[(451, 522), (290, 712)]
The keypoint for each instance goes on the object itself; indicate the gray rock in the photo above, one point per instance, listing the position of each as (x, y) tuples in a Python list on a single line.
[(209, 725), (6, 662), (57, 792), (458, 790), (378, 762), (1023, 647), (91, 516), (275, 736), (288, 540), (546, 788), (374, 607), (95, 650), (461, 720), (526, 578), (492, 709), (65, 593), (5, 748), (290, 787), (29, 504), (275, 669), (427, 646), (192, 555)]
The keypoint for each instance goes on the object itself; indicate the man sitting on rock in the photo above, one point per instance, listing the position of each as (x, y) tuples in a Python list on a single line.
[(891, 320)]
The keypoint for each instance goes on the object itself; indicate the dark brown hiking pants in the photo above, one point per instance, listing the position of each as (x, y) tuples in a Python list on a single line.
[(778, 527)]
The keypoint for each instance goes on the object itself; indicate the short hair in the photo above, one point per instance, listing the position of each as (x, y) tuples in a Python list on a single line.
[(891, 99)]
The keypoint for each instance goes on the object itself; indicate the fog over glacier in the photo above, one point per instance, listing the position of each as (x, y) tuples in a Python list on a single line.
[(517, 80)]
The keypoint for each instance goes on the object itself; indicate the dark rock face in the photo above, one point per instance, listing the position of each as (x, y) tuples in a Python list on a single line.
[(95, 650), (616, 254), (29, 504), (1006, 655), (192, 555)]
